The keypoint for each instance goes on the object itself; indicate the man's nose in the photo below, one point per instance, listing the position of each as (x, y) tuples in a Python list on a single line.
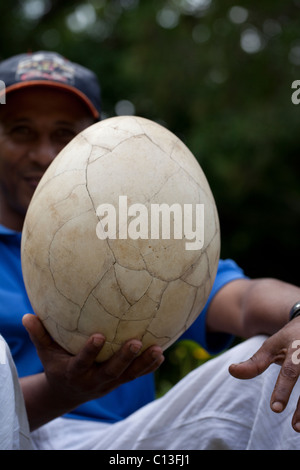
[(43, 152)]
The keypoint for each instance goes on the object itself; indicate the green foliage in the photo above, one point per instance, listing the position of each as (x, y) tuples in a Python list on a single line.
[(181, 359)]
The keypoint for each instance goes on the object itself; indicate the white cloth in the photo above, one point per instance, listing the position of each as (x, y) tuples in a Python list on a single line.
[(208, 409), (14, 429)]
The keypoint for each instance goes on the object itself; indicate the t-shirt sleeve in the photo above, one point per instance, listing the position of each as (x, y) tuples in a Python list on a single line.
[(214, 343)]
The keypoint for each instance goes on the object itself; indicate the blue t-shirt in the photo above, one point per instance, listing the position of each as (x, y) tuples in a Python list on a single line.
[(127, 398)]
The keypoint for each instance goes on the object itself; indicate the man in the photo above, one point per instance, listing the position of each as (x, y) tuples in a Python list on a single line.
[(111, 405)]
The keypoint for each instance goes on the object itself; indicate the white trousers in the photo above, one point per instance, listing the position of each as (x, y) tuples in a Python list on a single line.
[(208, 409)]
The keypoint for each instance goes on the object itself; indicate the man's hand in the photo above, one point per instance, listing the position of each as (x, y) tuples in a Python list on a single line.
[(70, 380), (280, 348)]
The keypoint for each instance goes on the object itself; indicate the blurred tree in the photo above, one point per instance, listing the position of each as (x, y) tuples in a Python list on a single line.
[(215, 72)]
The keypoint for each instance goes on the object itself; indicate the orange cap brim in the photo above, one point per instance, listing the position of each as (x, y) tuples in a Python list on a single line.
[(61, 86)]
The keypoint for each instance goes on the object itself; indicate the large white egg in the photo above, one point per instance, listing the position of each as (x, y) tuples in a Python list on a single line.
[(121, 237)]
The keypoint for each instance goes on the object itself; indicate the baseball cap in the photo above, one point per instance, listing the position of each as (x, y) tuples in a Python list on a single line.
[(51, 69)]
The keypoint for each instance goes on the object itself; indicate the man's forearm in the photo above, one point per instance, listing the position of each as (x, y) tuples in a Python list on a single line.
[(249, 307), (266, 306)]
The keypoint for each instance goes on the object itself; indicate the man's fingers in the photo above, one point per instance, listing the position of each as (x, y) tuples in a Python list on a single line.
[(88, 354), (122, 359), (147, 362), (254, 366), (296, 418), (285, 383), (271, 351), (128, 364), (274, 351), (36, 331)]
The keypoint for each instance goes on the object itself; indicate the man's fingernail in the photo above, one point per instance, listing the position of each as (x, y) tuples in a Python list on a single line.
[(277, 406), (135, 348), (156, 355), (98, 341), (297, 427)]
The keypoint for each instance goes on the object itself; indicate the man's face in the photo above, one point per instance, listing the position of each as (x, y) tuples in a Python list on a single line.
[(35, 124)]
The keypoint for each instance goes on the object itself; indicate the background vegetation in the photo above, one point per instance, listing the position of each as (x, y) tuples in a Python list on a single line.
[(218, 73)]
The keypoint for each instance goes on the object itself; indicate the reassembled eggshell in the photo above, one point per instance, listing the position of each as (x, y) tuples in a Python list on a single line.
[(130, 283)]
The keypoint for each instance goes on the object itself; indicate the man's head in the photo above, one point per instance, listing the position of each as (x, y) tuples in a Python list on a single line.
[(50, 69), (48, 102)]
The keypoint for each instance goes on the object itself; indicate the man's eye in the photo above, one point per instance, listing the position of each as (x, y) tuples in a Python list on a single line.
[(65, 134), (21, 130), (21, 133)]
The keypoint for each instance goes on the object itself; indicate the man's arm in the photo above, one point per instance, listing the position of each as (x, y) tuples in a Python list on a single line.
[(247, 308), (69, 380)]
